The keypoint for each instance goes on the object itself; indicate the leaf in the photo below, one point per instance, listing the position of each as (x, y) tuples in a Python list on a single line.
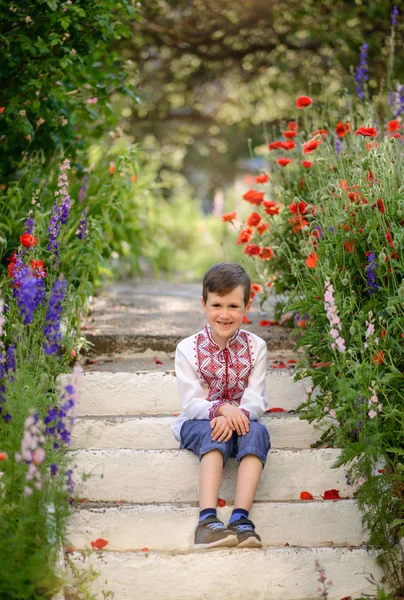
[(52, 4), (398, 451)]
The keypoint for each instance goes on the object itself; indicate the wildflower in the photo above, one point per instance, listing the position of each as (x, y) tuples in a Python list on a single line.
[(310, 146), (92, 100), (254, 197), (59, 422), (372, 414), (111, 169), (332, 316), (288, 145), (10, 360), (371, 276), (394, 125), (53, 229), (262, 227), (256, 288), (38, 269), (231, 216), (29, 227), (293, 126), (342, 129), (26, 294), (389, 238), (303, 101), (322, 132), (270, 207), (32, 452), (362, 71), (3, 456), (82, 230), (306, 164), (394, 16), (379, 358), (298, 208), (311, 261), (244, 236), (28, 240), (283, 161), (266, 253), (366, 131), (275, 145), (253, 219), (53, 315), (290, 133), (349, 246), (252, 250), (262, 179)]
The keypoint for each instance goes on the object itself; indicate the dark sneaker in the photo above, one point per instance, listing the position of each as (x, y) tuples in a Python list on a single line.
[(212, 533), (244, 528)]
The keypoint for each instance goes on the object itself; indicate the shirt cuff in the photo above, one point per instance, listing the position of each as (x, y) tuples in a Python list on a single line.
[(246, 412), (214, 408)]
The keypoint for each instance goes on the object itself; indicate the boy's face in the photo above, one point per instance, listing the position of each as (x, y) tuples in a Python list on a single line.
[(225, 313)]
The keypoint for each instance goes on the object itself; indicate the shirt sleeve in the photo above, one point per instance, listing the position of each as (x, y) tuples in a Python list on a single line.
[(254, 400), (192, 394)]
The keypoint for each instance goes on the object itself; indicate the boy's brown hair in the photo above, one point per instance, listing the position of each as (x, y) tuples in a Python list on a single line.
[(223, 277)]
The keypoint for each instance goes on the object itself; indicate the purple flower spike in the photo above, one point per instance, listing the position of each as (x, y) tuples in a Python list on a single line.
[(371, 276), (362, 71), (53, 230), (52, 326), (338, 146), (65, 210), (394, 16), (10, 361), (82, 230), (29, 225)]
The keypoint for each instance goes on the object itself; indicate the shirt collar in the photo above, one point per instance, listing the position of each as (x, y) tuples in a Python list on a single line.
[(229, 341)]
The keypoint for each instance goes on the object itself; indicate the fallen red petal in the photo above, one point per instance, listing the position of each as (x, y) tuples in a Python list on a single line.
[(99, 543), (331, 495), (306, 496), (221, 502), (276, 409), (157, 361), (144, 550), (292, 361)]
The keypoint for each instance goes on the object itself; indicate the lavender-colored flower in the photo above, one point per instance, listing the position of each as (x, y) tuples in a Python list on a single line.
[(394, 16), (331, 229), (69, 481), (65, 210), (320, 231), (83, 189), (53, 229), (338, 147), (371, 276), (6, 417), (53, 468), (10, 360), (52, 326), (29, 225), (26, 294), (362, 71), (82, 230)]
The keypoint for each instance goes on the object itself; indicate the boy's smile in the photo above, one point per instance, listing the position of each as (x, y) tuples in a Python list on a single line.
[(225, 314)]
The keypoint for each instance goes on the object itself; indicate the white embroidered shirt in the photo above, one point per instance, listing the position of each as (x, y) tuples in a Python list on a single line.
[(209, 376)]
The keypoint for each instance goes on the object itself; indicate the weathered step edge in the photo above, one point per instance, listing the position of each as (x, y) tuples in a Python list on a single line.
[(171, 527)]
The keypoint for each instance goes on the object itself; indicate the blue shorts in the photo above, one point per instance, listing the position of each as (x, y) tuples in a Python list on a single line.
[(196, 436)]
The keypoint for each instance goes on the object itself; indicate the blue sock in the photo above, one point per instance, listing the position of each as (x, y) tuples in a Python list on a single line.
[(207, 512), (237, 513)]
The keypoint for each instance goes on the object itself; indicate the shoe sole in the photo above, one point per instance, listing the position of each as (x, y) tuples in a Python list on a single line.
[(250, 542), (230, 542)]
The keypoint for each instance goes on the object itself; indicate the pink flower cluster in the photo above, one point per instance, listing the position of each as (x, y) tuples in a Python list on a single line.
[(63, 179), (333, 318), (373, 400), (32, 453)]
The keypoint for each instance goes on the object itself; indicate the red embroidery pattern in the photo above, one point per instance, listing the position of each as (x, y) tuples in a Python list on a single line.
[(225, 371)]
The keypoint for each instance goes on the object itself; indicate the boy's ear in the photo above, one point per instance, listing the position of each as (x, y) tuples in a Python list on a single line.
[(203, 304), (248, 306)]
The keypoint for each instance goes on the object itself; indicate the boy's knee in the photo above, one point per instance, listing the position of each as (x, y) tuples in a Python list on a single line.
[(259, 434)]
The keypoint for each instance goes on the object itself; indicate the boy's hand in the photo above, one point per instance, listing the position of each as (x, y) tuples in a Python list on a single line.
[(235, 417), (222, 431)]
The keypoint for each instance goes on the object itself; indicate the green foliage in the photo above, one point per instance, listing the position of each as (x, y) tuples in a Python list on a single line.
[(54, 93)]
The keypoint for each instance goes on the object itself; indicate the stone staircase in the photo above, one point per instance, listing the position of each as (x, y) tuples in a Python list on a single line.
[(142, 496)]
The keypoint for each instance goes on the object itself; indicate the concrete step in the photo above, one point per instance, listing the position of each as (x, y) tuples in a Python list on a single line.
[(154, 433), (104, 393), (171, 527), (145, 476), (231, 574)]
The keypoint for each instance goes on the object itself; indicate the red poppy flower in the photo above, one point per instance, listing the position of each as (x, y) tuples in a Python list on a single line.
[(38, 268), (252, 250), (307, 164), (99, 543), (254, 197), (380, 206), (244, 236), (253, 219), (394, 125), (303, 101), (344, 185), (322, 132), (379, 358), (310, 146), (262, 227), (266, 253), (245, 319), (229, 216), (292, 125), (3, 456), (221, 502), (342, 129), (262, 179), (349, 246), (276, 410), (389, 238), (366, 131), (371, 145), (28, 240), (331, 495), (290, 133), (293, 208), (306, 496), (256, 287), (311, 261), (397, 136), (270, 207), (112, 169), (383, 333), (275, 145), (288, 145), (283, 161)]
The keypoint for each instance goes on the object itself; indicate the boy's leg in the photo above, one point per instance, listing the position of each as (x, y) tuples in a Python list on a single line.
[(210, 477), (251, 455)]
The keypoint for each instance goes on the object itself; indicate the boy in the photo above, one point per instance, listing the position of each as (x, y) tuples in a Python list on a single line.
[(221, 378)]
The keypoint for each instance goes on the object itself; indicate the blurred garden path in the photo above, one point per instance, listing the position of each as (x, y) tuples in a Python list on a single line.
[(132, 317)]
